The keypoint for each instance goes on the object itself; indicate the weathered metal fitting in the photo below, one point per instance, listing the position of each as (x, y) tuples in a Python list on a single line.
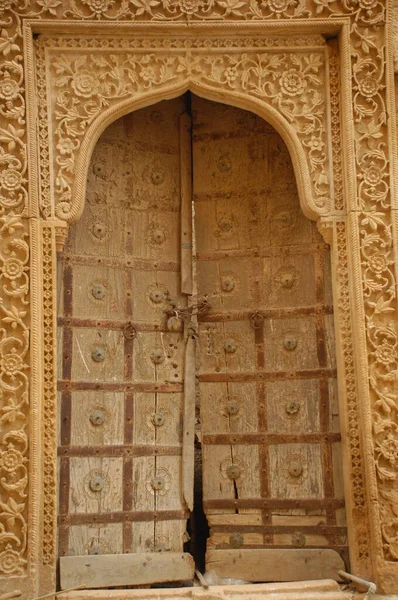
[(129, 331), (98, 354), (99, 291), (298, 539), (157, 296), (292, 407), (236, 540), (97, 417), (96, 483), (233, 471), (290, 342), (256, 321), (99, 230), (158, 419), (295, 469), (232, 408), (158, 236), (227, 283), (99, 169), (157, 356), (94, 550), (230, 346), (158, 483), (174, 323)]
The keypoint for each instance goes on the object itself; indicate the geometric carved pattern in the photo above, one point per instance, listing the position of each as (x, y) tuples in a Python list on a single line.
[(367, 176)]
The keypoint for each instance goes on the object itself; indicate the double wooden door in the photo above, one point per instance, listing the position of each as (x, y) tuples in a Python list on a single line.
[(195, 311)]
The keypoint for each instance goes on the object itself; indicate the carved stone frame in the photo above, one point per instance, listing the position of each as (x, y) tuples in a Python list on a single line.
[(357, 216)]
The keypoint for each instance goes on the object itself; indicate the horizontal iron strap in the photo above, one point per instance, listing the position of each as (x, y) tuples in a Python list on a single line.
[(274, 503), (270, 313), (338, 547), (123, 450), (270, 438), (270, 252), (119, 387), (108, 324), (267, 375), (310, 529), (123, 517), (133, 263)]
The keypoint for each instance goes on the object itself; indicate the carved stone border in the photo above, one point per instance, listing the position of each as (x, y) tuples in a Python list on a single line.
[(363, 236)]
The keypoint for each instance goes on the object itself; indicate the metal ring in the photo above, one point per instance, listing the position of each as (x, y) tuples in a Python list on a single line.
[(256, 320), (129, 331)]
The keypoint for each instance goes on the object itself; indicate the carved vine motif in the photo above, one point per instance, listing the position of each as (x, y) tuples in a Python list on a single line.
[(14, 394), (372, 159), (86, 84)]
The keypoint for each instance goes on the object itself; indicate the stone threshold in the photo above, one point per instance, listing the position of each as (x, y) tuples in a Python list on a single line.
[(326, 589)]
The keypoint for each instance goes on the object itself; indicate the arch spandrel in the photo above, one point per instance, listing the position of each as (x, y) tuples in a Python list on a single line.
[(283, 84)]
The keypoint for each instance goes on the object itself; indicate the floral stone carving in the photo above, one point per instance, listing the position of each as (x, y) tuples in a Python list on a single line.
[(365, 62)]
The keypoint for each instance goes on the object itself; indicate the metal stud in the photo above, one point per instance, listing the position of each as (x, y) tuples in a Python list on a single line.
[(157, 356), (99, 169), (97, 417), (96, 483), (230, 346), (295, 469), (157, 296), (94, 550), (233, 471), (227, 283), (232, 408), (157, 177), (287, 279), (158, 419), (298, 539), (236, 540), (158, 236), (290, 342), (98, 354), (99, 291), (99, 230), (157, 483), (292, 407)]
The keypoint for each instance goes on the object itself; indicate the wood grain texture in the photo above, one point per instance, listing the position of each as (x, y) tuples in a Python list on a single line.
[(128, 569)]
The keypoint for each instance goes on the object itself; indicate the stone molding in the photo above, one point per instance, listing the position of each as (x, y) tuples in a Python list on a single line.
[(346, 183)]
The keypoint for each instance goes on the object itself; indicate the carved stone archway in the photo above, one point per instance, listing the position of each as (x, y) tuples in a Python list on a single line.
[(343, 150)]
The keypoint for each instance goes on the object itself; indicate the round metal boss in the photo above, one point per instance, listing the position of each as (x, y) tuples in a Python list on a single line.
[(99, 169), (157, 356), (157, 483), (157, 296), (158, 236), (98, 354), (298, 539), (292, 407), (158, 419), (99, 230), (97, 417), (290, 342), (295, 469), (232, 408), (236, 540), (233, 471), (99, 291), (94, 550), (230, 346), (227, 283), (96, 483)]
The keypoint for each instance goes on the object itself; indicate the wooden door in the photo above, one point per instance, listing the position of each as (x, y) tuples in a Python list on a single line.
[(121, 370), (272, 480)]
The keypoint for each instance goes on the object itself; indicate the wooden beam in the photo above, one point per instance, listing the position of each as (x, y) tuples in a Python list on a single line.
[(111, 570), (275, 564)]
